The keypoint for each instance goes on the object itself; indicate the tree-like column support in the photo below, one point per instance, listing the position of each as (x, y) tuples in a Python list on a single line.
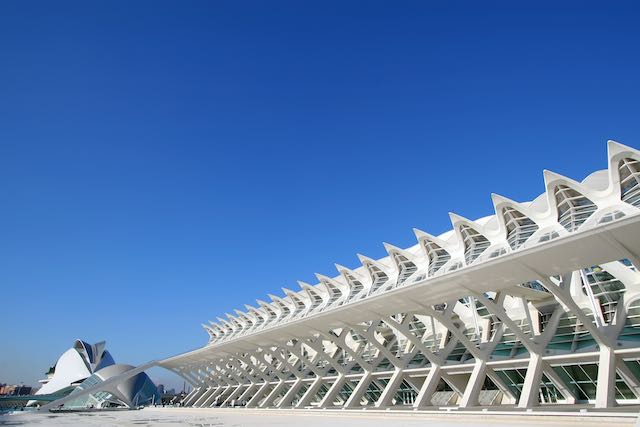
[(428, 387), (291, 394), (234, 395), (474, 385), (531, 387), (358, 392), (389, 391), (255, 399), (274, 394), (193, 396), (248, 391), (606, 387), (310, 393), (212, 396), (329, 398), (204, 396)]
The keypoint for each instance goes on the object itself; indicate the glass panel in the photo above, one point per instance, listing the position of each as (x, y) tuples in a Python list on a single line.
[(573, 208)]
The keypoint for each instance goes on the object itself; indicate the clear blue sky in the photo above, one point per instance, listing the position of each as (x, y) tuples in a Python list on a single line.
[(162, 163)]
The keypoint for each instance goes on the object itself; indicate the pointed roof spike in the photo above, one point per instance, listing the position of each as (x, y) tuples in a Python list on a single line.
[(390, 248), (456, 219), (342, 268), (310, 288), (614, 147), (550, 177), (364, 259), (303, 284), (322, 277), (324, 280), (420, 235), (262, 303), (277, 301), (289, 293), (497, 199)]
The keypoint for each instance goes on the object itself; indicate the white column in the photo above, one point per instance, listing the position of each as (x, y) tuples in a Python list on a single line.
[(233, 395), (214, 393), (531, 386), (219, 394), (248, 392), (428, 387), (197, 393), (472, 391), (253, 402), (606, 390), (274, 393), (358, 392), (391, 388), (291, 394), (328, 398), (310, 393), (202, 397)]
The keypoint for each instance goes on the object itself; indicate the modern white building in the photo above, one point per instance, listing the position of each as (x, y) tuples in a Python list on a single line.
[(74, 366), (537, 304), (134, 391), (85, 365)]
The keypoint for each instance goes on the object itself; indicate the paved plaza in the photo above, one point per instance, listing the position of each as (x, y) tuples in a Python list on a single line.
[(169, 417)]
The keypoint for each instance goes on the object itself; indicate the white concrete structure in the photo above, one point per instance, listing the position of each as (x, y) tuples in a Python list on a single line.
[(86, 376), (134, 391), (74, 366), (538, 304)]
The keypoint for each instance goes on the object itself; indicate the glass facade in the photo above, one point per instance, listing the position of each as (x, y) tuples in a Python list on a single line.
[(474, 243), (573, 208), (519, 227)]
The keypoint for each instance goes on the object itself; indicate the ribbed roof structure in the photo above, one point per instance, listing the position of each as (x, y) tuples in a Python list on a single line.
[(566, 206)]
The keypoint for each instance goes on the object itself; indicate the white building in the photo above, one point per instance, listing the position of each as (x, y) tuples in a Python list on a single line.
[(538, 304), (84, 366), (74, 366)]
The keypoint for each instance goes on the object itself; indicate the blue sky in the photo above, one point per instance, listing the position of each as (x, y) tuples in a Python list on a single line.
[(162, 163)]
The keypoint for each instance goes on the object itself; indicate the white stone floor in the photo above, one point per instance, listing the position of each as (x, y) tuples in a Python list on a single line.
[(170, 417)]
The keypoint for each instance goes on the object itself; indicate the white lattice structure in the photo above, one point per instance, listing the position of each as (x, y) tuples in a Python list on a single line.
[(537, 304)]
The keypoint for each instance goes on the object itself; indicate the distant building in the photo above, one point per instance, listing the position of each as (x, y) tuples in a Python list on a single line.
[(135, 391), (84, 365), (14, 390), (74, 366)]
